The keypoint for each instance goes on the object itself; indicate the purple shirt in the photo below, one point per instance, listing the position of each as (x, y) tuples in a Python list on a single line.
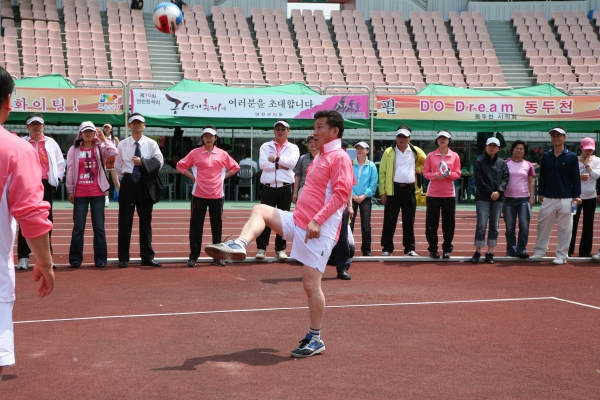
[(518, 183)]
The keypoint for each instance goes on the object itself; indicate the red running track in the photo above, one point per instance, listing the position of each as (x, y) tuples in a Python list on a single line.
[(397, 330)]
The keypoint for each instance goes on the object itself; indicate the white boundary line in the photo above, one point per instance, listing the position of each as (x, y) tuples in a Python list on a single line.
[(576, 303), (301, 308)]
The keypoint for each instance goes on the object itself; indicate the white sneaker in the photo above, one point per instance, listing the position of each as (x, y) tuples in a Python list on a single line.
[(106, 202), (559, 261), (260, 254), (596, 257), (538, 255), (412, 253), (23, 263), (281, 255)]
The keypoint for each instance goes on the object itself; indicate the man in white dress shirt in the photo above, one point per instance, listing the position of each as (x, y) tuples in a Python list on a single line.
[(133, 194), (277, 160)]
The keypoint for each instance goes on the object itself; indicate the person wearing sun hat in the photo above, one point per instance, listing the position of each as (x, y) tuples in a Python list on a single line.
[(589, 172), (86, 184), (442, 168), (277, 159), (559, 186), (137, 164), (207, 166), (491, 178), (53, 172), (399, 170)]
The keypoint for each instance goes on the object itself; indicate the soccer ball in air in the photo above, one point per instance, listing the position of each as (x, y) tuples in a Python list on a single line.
[(167, 18)]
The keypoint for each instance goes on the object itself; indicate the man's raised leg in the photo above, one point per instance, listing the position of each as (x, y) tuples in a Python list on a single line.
[(261, 216)]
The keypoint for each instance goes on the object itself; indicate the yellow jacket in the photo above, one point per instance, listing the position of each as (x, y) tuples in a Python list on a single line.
[(387, 167)]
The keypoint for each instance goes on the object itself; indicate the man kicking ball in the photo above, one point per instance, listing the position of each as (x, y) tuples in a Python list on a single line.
[(313, 226)]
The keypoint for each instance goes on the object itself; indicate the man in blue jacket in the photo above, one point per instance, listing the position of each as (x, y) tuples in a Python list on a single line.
[(558, 187)]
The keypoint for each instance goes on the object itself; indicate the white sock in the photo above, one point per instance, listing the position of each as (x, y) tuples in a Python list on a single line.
[(316, 334), (241, 242)]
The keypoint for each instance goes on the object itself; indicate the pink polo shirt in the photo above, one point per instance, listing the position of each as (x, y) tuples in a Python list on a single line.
[(445, 187), (209, 170), (329, 181)]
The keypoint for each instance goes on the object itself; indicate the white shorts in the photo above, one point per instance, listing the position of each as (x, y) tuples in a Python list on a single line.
[(313, 254), (7, 335)]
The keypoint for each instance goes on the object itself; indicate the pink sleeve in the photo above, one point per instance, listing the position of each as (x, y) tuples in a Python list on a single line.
[(455, 171), (25, 196), (531, 170), (186, 162), (341, 180), (231, 165), (427, 168)]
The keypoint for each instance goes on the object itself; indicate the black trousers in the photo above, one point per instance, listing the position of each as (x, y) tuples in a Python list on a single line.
[(215, 213), (23, 249), (340, 254), (132, 197), (365, 222), (447, 206), (281, 198), (403, 199), (587, 231)]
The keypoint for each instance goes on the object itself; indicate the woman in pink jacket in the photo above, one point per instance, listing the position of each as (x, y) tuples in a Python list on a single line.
[(87, 184), (442, 168)]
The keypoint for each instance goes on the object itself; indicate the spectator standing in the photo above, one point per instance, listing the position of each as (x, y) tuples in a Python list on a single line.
[(111, 174), (442, 167), (491, 177), (21, 198), (253, 164), (302, 166), (559, 186), (137, 164), (86, 184), (519, 198), (314, 225), (589, 172), (398, 176), (367, 178), (277, 160), (210, 166), (53, 172)]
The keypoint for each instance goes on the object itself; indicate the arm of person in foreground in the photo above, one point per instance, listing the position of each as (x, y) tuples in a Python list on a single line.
[(42, 271)]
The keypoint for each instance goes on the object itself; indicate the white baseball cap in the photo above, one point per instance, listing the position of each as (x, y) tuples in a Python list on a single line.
[(87, 126), (282, 123), (403, 132), (559, 130), (362, 144), (35, 119), (105, 125), (445, 134), (136, 118), (492, 140), (209, 130)]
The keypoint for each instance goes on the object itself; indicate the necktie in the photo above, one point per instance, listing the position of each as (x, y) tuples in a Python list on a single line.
[(137, 170)]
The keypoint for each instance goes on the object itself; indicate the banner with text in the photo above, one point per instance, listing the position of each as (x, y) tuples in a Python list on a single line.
[(572, 108), (219, 105), (70, 101)]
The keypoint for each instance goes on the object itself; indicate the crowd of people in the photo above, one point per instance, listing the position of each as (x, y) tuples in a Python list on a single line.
[(328, 188)]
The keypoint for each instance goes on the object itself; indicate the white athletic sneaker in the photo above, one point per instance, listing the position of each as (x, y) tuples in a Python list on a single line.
[(227, 250), (538, 255), (559, 261), (23, 263), (596, 257), (412, 253), (261, 254), (281, 255)]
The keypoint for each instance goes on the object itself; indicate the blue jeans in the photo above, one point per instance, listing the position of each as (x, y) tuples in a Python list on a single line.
[(513, 207), (487, 210), (80, 210)]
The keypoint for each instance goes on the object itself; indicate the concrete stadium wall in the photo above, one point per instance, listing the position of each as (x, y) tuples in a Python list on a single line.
[(493, 11), (406, 6)]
